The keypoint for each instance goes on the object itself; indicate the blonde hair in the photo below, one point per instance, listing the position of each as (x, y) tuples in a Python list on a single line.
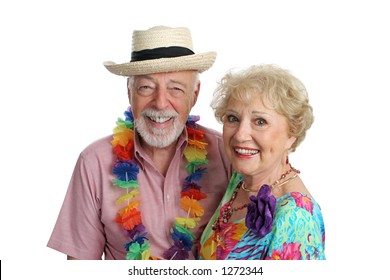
[(286, 94)]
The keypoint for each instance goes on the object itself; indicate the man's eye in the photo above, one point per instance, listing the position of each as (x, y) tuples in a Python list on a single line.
[(176, 90), (145, 90)]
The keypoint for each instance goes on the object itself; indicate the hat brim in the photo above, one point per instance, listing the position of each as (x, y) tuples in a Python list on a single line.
[(197, 62)]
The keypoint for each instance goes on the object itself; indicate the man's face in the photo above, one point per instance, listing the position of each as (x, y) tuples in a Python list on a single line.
[(161, 104)]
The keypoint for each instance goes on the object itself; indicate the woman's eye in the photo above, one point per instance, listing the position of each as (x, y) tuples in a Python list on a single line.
[(260, 122), (231, 118)]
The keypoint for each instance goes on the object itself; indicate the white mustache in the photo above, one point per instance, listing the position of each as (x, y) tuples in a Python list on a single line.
[(154, 114)]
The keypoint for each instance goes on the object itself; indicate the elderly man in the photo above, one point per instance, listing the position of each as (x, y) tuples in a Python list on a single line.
[(148, 190)]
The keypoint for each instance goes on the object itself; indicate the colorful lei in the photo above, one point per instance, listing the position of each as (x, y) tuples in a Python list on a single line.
[(126, 170)]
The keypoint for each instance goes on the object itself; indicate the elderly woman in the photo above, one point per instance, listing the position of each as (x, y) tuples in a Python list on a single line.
[(267, 211)]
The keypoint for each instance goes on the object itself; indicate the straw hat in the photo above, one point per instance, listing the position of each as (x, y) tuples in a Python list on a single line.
[(162, 49)]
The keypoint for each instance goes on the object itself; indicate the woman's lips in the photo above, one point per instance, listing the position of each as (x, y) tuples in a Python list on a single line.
[(245, 152)]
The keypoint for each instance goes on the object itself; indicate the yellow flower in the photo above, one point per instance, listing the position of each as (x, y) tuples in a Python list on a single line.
[(127, 196), (192, 153), (188, 222), (122, 136), (192, 206)]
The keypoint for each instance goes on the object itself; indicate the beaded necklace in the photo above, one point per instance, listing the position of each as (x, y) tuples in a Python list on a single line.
[(278, 182), (227, 210), (126, 170)]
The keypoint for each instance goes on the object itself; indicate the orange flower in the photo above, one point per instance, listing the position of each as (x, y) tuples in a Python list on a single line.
[(192, 206), (130, 219), (122, 136), (129, 207), (194, 194), (198, 144)]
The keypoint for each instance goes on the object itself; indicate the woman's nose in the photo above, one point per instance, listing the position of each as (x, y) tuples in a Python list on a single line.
[(243, 131)]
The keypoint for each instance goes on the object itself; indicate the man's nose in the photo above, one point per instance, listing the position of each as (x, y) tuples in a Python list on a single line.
[(161, 99)]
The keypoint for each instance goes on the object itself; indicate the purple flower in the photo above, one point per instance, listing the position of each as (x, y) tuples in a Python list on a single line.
[(176, 252), (190, 185), (135, 231), (192, 120), (260, 216)]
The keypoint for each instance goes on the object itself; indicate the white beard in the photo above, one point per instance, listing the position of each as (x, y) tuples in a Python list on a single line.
[(159, 138)]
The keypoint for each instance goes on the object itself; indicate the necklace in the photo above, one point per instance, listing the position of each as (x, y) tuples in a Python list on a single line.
[(227, 210), (126, 170), (277, 182)]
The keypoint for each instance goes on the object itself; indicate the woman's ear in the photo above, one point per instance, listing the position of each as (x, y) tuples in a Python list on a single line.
[(290, 142)]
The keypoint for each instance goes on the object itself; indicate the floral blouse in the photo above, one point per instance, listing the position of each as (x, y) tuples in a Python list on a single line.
[(296, 231)]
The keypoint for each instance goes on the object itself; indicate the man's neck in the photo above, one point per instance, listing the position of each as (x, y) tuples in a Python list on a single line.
[(161, 157)]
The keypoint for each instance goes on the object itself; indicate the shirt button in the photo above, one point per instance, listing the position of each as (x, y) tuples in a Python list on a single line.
[(168, 197)]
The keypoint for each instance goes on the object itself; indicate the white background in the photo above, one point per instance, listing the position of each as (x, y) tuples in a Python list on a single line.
[(56, 97)]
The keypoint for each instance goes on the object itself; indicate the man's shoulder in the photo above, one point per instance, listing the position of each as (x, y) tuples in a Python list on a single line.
[(98, 146), (209, 131)]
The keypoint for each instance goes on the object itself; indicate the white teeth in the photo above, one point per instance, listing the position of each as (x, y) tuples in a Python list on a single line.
[(159, 119), (246, 152)]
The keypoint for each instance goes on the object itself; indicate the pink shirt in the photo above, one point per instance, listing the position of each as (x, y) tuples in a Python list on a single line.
[(86, 227)]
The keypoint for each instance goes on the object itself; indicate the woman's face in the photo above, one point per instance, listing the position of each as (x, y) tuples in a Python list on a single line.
[(256, 138)]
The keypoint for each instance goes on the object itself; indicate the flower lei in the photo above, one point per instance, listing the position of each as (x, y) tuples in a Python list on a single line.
[(126, 170)]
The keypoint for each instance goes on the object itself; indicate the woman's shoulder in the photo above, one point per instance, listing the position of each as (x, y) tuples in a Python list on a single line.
[(297, 202)]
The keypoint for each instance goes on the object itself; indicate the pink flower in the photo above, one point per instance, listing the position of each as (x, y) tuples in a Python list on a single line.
[(303, 201), (289, 251)]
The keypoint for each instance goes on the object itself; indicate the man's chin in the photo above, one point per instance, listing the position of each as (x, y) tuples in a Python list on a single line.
[(159, 138), (159, 143)]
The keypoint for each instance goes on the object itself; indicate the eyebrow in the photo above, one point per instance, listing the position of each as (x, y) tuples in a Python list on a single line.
[(261, 113), (150, 78), (252, 112), (179, 82)]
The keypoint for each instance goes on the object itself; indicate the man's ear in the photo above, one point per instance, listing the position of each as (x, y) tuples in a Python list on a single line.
[(129, 95), (128, 91), (196, 93)]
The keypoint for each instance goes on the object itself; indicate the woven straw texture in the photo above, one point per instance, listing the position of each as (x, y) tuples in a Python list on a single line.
[(158, 37)]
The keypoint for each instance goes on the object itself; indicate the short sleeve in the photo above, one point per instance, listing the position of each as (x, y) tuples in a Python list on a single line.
[(298, 232), (78, 231)]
